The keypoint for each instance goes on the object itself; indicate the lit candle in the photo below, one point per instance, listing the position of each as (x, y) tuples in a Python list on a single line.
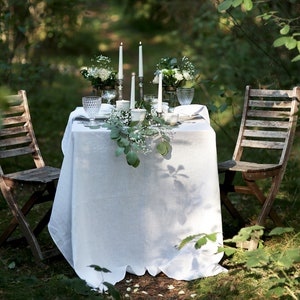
[(120, 73), (132, 94), (159, 96), (140, 60)]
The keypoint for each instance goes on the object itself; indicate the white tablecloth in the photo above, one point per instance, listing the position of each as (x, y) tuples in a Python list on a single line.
[(109, 214)]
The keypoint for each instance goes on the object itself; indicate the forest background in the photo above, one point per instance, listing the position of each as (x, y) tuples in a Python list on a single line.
[(44, 43)]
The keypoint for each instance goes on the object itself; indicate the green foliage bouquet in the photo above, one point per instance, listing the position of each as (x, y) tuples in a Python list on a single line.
[(175, 72), (100, 73)]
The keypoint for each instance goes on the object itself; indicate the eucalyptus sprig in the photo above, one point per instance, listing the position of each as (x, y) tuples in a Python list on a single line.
[(133, 137)]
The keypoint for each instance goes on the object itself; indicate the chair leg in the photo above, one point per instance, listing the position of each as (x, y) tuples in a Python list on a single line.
[(266, 202), (24, 226), (231, 209), (14, 222), (225, 188)]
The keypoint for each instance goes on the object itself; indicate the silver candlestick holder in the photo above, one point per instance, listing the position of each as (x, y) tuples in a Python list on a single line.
[(159, 114), (141, 88), (120, 89)]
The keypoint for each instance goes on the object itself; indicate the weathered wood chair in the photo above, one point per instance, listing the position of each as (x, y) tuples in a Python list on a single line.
[(37, 183), (268, 126)]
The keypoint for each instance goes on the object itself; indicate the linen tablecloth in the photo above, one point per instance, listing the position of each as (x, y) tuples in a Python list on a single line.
[(127, 219)]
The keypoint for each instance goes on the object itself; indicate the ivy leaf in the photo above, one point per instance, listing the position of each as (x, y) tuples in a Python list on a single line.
[(132, 159)]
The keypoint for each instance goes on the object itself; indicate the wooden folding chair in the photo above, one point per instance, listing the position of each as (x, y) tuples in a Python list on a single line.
[(262, 150), (37, 183)]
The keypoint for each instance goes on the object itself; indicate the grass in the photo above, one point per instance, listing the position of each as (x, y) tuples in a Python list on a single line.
[(51, 103)]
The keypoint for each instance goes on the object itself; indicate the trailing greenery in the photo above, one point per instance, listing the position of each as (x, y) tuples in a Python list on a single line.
[(133, 137)]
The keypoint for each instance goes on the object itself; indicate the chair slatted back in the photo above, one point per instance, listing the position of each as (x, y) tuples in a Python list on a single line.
[(17, 137), (268, 122)]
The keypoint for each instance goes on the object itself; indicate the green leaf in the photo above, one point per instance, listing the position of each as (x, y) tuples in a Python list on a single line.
[(132, 159), (285, 30), (280, 230), (248, 5), (163, 148), (290, 257), (223, 107), (224, 5), (227, 250), (187, 240), (296, 58), (123, 142), (119, 151), (212, 237), (200, 242), (114, 133), (236, 3), (12, 265), (112, 290), (291, 43), (256, 258), (280, 41), (246, 233)]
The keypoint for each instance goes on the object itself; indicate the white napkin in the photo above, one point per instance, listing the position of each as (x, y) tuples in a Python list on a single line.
[(191, 111), (105, 109)]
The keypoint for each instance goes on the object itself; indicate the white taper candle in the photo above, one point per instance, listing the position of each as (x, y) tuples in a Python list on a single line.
[(120, 73), (132, 94), (141, 74), (159, 96)]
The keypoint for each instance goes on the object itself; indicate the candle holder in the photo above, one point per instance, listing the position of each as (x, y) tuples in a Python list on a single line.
[(141, 88), (120, 89)]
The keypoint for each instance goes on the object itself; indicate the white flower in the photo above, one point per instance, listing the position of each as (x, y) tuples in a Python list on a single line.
[(187, 75), (101, 73), (178, 75)]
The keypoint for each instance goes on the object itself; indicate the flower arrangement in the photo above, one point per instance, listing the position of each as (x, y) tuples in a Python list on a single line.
[(133, 137), (100, 74), (175, 72)]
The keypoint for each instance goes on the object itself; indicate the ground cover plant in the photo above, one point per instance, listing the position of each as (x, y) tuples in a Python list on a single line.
[(226, 61)]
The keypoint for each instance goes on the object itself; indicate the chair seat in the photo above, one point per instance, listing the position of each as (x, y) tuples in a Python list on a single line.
[(245, 166), (37, 175)]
